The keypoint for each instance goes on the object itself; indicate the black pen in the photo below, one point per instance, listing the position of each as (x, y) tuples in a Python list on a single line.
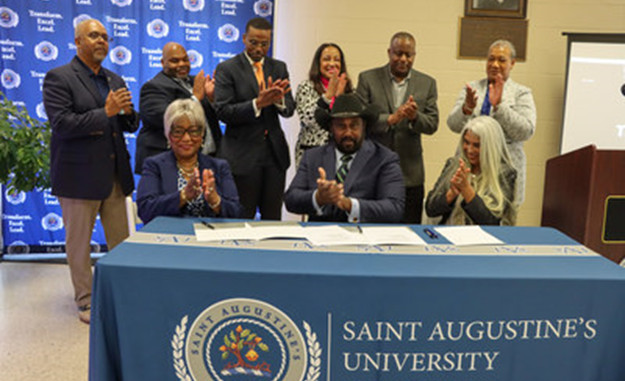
[(430, 233), (359, 229), (208, 225)]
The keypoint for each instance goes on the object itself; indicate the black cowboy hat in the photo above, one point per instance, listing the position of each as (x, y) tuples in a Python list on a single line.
[(346, 106)]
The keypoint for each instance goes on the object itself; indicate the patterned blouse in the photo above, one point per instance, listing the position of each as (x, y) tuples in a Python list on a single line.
[(310, 133), (195, 207)]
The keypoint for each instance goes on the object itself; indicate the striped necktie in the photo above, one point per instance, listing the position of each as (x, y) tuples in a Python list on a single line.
[(341, 173)]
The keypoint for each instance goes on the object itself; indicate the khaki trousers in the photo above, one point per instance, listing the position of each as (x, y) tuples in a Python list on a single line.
[(79, 217)]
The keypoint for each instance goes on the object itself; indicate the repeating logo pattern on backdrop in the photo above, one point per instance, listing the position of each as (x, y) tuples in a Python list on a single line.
[(239, 339), (228, 33)]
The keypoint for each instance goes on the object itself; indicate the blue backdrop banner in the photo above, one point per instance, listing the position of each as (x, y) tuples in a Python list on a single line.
[(38, 35)]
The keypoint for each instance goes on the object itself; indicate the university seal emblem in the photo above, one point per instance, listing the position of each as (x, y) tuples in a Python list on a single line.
[(244, 339)]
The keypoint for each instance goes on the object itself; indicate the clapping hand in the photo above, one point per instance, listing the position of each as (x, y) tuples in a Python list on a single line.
[(118, 100), (273, 92), (495, 90), (470, 100), (336, 85)]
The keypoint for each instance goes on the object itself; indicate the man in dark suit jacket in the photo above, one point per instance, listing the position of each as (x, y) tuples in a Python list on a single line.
[(173, 82), (351, 178), (407, 100), (89, 108), (251, 91)]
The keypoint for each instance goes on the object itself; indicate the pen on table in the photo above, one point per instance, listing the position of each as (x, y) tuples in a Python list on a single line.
[(430, 233), (210, 226), (359, 229)]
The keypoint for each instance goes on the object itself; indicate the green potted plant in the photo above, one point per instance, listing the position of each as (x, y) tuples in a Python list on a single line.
[(24, 149)]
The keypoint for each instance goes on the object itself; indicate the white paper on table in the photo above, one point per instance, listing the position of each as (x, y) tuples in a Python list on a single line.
[(468, 235), (331, 235), (279, 231), (391, 235), (237, 233)]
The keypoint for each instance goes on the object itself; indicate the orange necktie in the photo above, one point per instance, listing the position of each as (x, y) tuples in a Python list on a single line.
[(260, 76)]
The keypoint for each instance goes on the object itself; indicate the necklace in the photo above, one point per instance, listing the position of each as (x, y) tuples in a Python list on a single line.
[(187, 172)]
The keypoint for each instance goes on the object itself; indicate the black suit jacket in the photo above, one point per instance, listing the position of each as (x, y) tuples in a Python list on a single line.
[(156, 95), (88, 148), (243, 142), (374, 178)]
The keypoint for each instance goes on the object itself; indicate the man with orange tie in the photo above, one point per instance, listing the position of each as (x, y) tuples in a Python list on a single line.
[(251, 92)]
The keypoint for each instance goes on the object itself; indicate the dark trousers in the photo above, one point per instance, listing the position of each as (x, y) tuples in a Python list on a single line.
[(262, 188), (414, 205)]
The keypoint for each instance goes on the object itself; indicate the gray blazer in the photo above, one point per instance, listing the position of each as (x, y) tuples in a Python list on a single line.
[(436, 201), (375, 87)]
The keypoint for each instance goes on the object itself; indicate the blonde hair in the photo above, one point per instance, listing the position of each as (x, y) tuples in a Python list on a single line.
[(181, 108), (494, 160)]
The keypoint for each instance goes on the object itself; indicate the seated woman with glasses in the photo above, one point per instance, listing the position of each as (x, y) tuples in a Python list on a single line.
[(182, 181), (476, 186)]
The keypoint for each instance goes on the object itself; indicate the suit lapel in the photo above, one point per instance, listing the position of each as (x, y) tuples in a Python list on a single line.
[(249, 72), (329, 162), (83, 76), (170, 174), (412, 86), (383, 77), (359, 165)]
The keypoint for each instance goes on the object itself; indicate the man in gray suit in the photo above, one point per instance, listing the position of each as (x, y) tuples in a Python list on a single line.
[(407, 101)]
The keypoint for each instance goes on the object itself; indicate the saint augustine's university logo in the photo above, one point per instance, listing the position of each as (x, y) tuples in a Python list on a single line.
[(8, 18), (228, 33), (52, 222), (120, 55), (46, 51), (193, 5), (15, 198), (262, 8), (196, 59), (10, 79), (158, 28), (122, 3), (244, 339), (80, 18)]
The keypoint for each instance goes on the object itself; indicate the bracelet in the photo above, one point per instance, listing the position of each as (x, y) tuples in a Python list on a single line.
[(215, 205)]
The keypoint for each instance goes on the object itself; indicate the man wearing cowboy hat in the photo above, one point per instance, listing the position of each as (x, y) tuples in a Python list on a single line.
[(351, 178)]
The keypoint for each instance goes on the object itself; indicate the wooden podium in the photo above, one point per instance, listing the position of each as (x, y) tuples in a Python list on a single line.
[(577, 186)]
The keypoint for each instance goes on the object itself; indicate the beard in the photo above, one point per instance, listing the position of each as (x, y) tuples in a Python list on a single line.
[(349, 145)]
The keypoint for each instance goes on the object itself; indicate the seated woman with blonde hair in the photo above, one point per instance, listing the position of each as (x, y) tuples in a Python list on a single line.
[(476, 187), (183, 181)]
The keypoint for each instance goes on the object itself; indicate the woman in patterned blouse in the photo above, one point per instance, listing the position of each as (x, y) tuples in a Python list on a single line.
[(183, 181), (327, 79)]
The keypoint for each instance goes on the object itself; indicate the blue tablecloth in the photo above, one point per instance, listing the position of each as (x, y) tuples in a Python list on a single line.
[(173, 311)]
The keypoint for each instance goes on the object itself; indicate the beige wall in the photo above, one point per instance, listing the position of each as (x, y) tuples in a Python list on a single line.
[(363, 27)]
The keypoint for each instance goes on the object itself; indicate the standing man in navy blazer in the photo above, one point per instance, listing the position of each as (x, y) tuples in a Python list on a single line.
[(89, 108), (351, 178), (251, 91), (407, 100), (173, 82)]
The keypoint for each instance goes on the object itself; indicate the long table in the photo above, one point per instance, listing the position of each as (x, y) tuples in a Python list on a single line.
[(539, 307)]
